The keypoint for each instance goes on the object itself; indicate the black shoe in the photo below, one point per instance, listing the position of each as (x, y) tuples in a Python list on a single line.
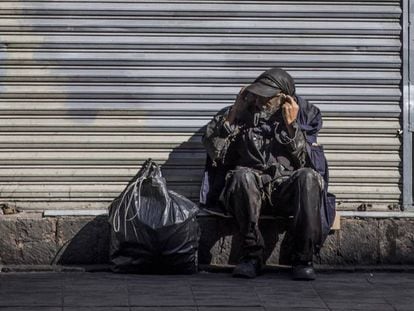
[(247, 269), (303, 271)]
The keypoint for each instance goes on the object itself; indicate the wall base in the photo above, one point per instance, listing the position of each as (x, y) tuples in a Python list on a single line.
[(30, 239)]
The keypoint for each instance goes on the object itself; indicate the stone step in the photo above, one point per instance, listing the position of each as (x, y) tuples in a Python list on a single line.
[(31, 239)]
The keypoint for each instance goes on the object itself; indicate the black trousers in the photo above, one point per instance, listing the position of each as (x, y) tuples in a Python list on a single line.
[(297, 197)]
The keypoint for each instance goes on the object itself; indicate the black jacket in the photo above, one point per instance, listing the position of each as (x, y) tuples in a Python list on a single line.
[(220, 140)]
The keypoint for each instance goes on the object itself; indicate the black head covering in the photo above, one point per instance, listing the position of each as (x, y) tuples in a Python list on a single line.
[(271, 82)]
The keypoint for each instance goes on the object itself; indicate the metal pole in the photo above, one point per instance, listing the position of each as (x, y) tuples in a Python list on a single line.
[(408, 107)]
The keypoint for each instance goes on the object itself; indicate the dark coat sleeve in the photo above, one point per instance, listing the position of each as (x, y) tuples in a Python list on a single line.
[(216, 140), (310, 121), (218, 137), (295, 145)]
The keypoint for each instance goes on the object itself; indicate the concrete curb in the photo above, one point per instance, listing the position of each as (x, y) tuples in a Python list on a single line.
[(66, 241)]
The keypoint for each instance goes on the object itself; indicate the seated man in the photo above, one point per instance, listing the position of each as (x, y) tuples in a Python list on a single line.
[(262, 154)]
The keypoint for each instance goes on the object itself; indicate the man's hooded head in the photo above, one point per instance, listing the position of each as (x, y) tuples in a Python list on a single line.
[(266, 86), (271, 82)]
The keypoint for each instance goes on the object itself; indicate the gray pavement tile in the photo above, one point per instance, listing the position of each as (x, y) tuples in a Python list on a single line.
[(31, 276), (355, 300), (391, 275), (28, 289), (160, 301), (144, 283), (223, 281), (398, 296), (204, 291), (400, 285), (286, 291), (182, 308), (96, 309), (16, 281), (96, 298), (160, 294), (94, 285), (403, 307), (231, 308), (295, 309), (400, 282), (344, 276), (400, 300), (93, 279), (157, 278), (93, 275), (274, 295), (329, 284), (177, 288), (221, 296), (280, 301), (355, 296), (343, 285), (290, 297), (35, 299), (288, 283), (95, 290), (359, 306), (28, 283)]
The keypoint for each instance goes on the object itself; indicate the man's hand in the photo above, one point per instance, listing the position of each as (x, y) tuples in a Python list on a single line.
[(238, 106), (290, 110)]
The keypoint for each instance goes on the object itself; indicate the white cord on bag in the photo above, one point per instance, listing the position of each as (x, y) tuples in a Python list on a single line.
[(137, 186), (116, 223)]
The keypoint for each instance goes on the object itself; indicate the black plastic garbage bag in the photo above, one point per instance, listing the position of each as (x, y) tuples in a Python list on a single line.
[(153, 230)]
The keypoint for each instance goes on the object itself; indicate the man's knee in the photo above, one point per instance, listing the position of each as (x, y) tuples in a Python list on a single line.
[(310, 178), (242, 194), (310, 185), (242, 178)]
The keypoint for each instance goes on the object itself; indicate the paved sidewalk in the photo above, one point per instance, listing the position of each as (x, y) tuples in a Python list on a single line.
[(205, 291)]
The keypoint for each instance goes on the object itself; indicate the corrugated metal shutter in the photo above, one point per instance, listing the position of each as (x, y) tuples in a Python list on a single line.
[(91, 89)]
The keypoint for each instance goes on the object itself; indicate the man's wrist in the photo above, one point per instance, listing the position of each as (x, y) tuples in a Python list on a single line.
[(231, 117), (291, 130)]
